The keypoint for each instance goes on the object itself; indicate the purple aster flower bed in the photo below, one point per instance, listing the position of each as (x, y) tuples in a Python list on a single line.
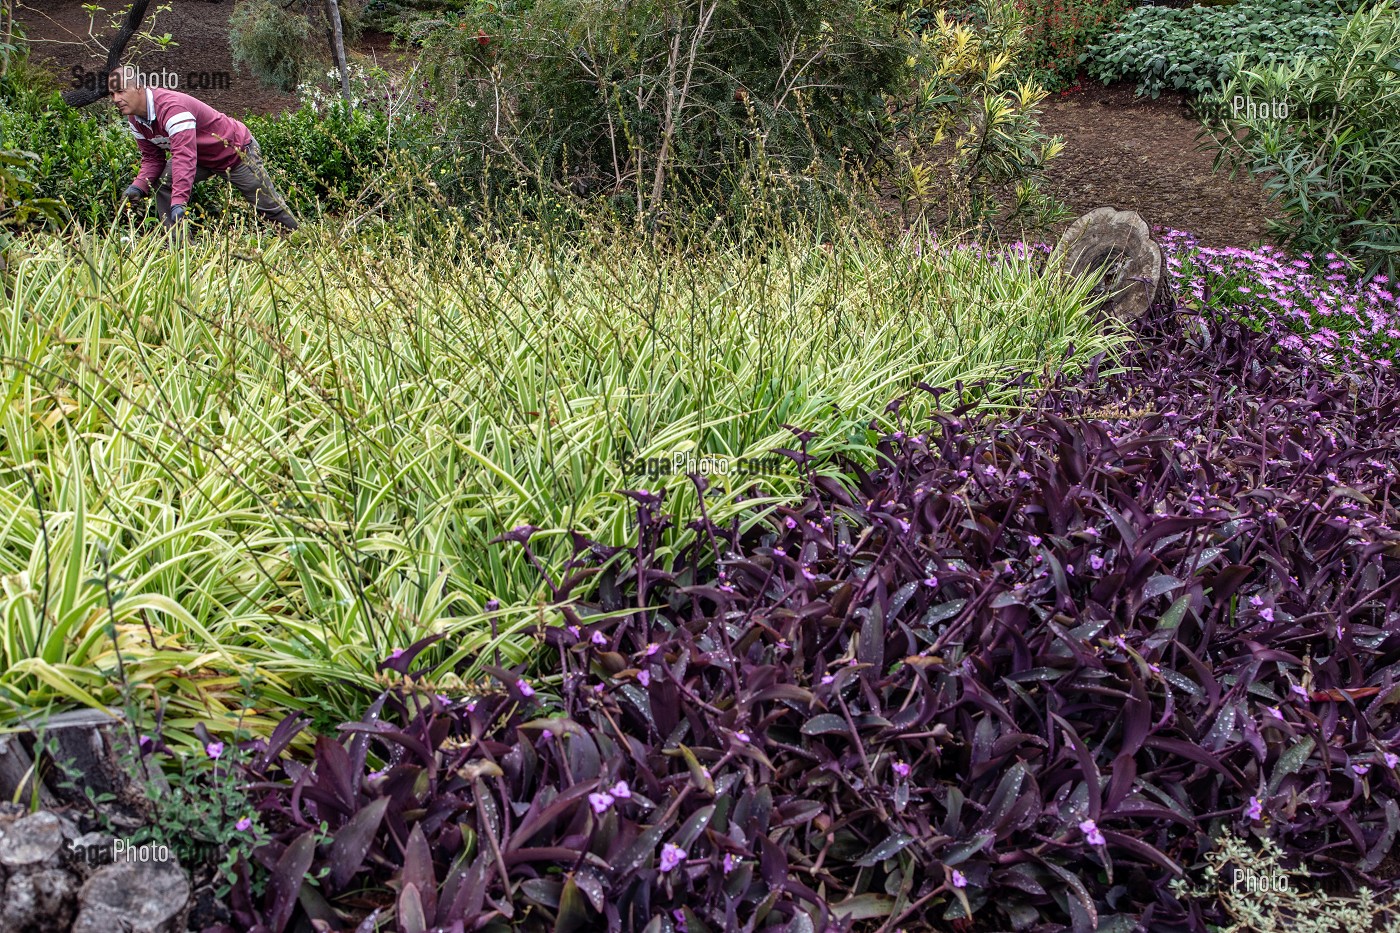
[(1018, 677), (1314, 304)]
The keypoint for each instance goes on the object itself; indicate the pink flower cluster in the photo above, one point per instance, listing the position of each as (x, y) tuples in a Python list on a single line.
[(1318, 307)]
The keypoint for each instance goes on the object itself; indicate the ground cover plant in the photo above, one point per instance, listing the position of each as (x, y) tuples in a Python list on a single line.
[(1197, 49), (1035, 668), (1320, 307), (219, 460)]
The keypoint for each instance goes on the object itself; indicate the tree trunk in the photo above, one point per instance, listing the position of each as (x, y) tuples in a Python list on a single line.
[(81, 97), (338, 49), (1120, 243)]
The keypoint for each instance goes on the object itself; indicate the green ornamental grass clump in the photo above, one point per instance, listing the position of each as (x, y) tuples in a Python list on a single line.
[(219, 459), (1197, 49)]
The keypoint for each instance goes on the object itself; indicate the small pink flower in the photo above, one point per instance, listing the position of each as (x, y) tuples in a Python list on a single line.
[(599, 638), (1391, 759), (901, 768), (652, 649), (930, 581), (743, 737), (621, 791), (1034, 540), (959, 879), (671, 856), (214, 749), (600, 802), (1360, 769), (1091, 833), (1095, 562), (1255, 810), (243, 825), (395, 654), (546, 735), (827, 678), (790, 522), (644, 678), (730, 862), (525, 689)]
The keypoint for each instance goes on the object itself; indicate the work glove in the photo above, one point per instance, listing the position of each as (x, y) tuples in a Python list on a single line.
[(176, 224), (133, 193)]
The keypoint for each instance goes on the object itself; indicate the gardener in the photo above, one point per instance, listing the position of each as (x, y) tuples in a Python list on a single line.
[(200, 141)]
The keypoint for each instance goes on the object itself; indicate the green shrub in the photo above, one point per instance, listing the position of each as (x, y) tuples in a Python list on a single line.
[(669, 106), (1197, 49), (323, 158), (640, 100), (973, 128), (277, 40), (1333, 163), (272, 42), (83, 161)]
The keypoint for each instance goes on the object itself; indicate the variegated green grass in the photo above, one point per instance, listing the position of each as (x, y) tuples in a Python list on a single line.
[(292, 461)]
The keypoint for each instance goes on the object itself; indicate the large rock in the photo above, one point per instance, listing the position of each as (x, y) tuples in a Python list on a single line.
[(39, 902), (134, 897), (32, 842), (1121, 244)]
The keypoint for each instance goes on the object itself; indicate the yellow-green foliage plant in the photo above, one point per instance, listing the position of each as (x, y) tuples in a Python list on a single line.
[(973, 126), (285, 464)]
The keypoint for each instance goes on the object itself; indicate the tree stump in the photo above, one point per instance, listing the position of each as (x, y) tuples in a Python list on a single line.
[(19, 779), (77, 753), (1121, 244)]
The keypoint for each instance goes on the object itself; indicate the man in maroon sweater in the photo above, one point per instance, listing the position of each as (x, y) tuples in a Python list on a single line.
[(184, 141)]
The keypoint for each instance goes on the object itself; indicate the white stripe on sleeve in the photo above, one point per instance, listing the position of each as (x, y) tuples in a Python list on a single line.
[(173, 128)]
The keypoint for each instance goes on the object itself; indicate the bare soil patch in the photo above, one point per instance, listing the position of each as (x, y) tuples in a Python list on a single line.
[(1141, 154)]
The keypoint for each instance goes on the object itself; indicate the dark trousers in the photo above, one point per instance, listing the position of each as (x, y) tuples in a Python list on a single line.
[(251, 179)]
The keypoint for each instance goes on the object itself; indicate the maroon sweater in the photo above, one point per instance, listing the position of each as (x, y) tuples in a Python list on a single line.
[(194, 134)]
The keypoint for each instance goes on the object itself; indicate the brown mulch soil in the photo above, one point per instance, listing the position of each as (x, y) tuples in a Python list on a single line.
[(58, 32), (1140, 154)]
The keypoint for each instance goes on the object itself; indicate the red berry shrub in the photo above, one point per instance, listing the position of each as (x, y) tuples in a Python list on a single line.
[(1058, 32)]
